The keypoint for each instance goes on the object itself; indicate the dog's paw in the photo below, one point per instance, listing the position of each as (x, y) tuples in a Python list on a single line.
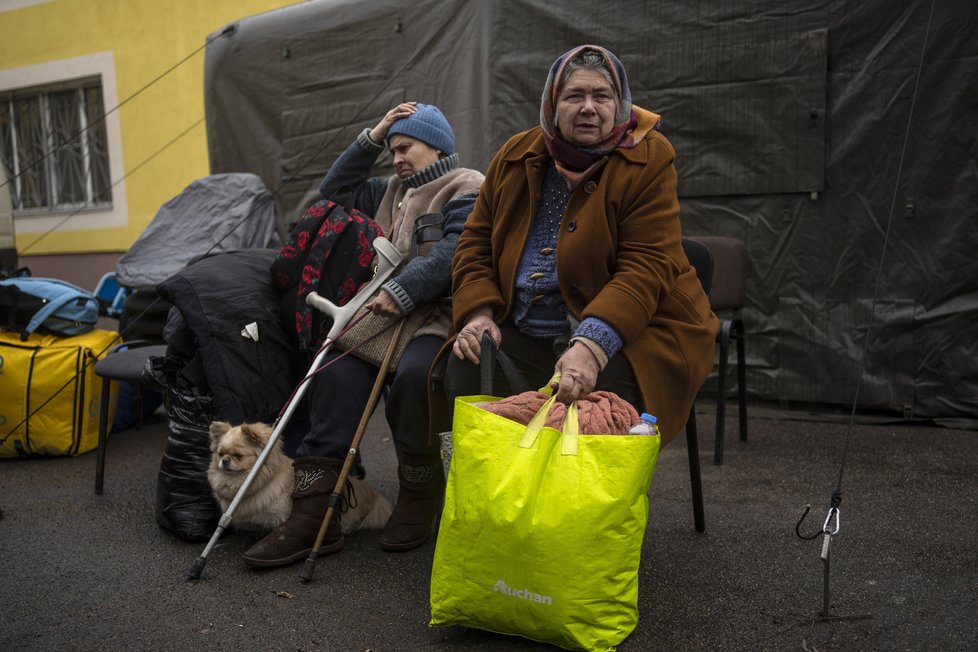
[(367, 509)]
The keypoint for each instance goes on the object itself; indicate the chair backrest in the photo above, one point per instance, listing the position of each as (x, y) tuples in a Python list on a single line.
[(702, 261), (110, 295), (730, 271)]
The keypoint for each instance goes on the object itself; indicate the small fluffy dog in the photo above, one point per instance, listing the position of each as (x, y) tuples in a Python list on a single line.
[(234, 451)]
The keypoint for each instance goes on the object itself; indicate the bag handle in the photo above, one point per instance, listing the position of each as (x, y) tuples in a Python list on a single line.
[(569, 429), (491, 355)]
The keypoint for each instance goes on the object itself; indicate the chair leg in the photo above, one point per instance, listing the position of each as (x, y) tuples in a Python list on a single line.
[(695, 481), (103, 435), (725, 327), (741, 377)]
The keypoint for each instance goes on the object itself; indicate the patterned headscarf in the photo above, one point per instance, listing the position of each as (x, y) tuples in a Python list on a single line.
[(573, 162)]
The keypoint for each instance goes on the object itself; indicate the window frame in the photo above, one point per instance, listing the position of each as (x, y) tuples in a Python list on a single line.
[(66, 73), (52, 166)]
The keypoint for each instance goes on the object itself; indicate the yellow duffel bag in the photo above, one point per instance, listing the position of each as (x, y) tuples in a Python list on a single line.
[(49, 394)]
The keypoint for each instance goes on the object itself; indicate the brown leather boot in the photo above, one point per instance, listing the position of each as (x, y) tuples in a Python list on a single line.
[(315, 478), (422, 485)]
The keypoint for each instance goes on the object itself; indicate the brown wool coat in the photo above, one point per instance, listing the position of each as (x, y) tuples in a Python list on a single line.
[(619, 258)]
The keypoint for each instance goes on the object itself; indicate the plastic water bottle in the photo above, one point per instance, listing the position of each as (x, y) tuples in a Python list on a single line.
[(646, 426)]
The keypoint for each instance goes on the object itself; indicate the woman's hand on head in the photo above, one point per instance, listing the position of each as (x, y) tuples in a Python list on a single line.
[(468, 343), (384, 305), (379, 133), (578, 373)]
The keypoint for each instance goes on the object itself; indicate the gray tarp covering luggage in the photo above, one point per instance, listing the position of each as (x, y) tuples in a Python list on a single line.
[(794, 123), (219, 213)]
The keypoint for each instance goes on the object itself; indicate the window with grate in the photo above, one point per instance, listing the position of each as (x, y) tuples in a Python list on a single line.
[(53, 147)]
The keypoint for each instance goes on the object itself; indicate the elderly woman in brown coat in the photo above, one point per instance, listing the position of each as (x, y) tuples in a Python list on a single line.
[(572, 259)]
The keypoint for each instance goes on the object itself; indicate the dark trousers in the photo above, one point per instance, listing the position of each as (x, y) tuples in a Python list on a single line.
[(535, 358), (338, 397)]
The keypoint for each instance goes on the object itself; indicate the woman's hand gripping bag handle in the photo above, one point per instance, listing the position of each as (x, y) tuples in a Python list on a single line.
[(541, 534), (571, 426)]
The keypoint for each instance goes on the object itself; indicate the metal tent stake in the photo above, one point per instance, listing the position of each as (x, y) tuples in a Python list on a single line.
[(826, 572), (829, 529)]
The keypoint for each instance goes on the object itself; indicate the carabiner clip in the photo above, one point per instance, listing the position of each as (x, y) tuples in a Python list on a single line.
[(828, 520)]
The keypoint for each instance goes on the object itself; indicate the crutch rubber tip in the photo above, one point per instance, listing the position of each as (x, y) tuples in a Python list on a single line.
[(308, 569), (196, 570)]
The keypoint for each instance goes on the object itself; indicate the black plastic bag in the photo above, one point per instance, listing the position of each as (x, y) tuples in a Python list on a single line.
[(185, 504)]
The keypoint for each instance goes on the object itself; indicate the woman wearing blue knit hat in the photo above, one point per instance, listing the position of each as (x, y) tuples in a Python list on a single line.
[(427, 180)]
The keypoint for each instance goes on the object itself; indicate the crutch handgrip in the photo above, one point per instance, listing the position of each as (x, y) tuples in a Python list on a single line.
[(388, 258)]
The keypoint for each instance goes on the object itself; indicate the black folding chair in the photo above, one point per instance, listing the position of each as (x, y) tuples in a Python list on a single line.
[(702, 261), (727, 297)]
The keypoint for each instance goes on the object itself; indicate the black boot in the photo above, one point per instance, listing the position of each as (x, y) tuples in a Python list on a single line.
[(419, 499), (315, 478)]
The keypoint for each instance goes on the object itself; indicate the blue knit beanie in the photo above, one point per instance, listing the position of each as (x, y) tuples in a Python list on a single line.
[(429, 126)]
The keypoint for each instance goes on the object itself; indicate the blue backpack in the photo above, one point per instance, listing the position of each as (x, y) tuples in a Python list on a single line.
[(46, 305)]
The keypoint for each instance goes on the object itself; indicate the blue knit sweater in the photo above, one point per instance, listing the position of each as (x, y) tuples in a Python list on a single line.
[(536, 282)]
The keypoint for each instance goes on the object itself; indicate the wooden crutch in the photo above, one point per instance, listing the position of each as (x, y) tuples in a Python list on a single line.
[(309, 567)]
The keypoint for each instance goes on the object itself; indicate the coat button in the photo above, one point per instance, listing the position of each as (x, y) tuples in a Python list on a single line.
[(546, 251), (399, 204), (536, 276), (537, 299), (590, 187), (575, 288), (571, 226)]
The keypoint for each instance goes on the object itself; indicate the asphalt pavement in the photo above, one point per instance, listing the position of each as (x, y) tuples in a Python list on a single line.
[(87, 572)]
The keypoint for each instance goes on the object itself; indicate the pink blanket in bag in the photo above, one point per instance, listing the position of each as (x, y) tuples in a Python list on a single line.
[(601, 413)]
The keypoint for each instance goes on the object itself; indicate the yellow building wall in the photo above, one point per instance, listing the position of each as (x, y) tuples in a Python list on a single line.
[(146, 39)]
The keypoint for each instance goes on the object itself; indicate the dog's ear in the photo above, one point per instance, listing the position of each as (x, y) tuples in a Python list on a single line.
[(219, 429), (257, 433)]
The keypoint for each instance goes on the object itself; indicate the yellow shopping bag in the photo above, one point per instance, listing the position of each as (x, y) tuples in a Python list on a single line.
[(541, 533)]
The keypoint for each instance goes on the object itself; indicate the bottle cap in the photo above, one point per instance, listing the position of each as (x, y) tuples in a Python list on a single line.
[(648, 417)]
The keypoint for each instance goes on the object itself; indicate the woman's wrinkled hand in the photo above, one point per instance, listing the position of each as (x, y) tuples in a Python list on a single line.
[(468, 343), (578, 373), (379, 133), (384, 305)]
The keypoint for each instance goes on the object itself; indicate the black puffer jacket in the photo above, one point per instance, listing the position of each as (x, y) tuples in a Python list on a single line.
[(250, 377)]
